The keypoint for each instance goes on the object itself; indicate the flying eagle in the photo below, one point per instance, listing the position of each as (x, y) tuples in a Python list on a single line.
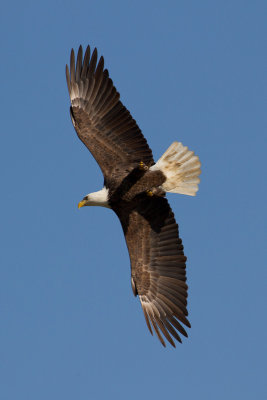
[(135, 188)]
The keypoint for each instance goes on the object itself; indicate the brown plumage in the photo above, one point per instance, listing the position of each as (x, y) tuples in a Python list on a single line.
[(157, 264), (135, 193), (102, 123)]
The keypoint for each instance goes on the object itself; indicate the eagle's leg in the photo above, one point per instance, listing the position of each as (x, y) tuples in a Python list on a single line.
[(149, 193), (142, 166)]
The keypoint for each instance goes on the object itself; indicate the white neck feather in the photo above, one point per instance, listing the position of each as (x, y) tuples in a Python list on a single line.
[(99, 198)]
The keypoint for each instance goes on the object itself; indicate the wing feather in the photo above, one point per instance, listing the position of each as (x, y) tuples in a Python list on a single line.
[(101, 121), (85, 63), (79, 62), (157, 266)]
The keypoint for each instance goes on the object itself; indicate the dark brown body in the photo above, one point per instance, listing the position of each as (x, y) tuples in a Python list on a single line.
[(136, 183)]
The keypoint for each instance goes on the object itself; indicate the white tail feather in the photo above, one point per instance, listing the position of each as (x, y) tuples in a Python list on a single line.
[(181, 168)]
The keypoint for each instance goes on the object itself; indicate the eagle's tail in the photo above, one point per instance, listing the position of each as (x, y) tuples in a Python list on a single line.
[(181, 168)]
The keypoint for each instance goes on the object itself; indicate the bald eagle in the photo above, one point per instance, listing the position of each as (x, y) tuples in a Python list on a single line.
[(135, 189)]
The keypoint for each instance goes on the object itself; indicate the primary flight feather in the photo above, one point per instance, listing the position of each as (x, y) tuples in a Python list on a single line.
[(135, 189)]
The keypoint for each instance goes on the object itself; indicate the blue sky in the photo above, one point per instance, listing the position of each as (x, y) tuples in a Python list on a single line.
[(192, 71)]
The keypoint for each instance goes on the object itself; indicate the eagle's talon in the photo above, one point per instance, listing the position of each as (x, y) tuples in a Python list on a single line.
[(142, 166), (149, 193)]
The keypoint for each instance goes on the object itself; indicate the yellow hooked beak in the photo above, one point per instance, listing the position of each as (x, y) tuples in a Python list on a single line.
[(81, 204)]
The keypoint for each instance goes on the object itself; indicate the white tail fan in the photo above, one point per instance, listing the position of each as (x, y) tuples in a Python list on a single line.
[(181, 168)]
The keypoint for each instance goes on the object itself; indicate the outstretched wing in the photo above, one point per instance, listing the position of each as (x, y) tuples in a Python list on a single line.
[(101, 121), (158, 266)]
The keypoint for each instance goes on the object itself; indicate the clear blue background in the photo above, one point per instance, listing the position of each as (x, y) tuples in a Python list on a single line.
[(193, 71)]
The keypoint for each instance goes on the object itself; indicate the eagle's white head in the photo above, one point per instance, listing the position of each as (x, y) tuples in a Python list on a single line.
[(99, 198)]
